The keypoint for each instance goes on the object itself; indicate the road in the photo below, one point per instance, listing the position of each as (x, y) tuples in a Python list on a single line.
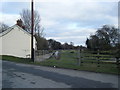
[(15, 75)]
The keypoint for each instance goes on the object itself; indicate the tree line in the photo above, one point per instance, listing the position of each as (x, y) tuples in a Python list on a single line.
[(51, 44)]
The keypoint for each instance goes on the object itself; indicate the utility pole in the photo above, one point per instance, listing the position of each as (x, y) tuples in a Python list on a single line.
[(118, 22), (32, 27)]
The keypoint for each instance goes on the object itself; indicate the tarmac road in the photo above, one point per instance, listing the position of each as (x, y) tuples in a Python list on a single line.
[(15, 75)]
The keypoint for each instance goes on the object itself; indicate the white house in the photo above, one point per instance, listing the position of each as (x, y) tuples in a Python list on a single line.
[(15, 41)]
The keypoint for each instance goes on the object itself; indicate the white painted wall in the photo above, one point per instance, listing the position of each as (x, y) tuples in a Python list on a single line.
[(16, 43)]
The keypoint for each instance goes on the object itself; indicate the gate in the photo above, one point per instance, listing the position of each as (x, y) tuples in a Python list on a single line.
[(41, 55)]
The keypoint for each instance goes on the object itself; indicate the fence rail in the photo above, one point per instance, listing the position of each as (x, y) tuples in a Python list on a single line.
[(98, 57)]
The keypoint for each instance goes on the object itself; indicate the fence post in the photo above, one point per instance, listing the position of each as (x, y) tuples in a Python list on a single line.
[(117, 62), (79, 56), (98, 57), (42, 54)]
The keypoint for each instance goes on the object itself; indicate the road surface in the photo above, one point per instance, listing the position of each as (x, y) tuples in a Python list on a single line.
[(15, 75)]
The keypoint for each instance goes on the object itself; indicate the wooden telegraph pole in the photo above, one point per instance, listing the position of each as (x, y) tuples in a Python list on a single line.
[(32, 28)]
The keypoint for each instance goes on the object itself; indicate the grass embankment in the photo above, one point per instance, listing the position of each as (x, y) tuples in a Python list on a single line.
[(69, 60)]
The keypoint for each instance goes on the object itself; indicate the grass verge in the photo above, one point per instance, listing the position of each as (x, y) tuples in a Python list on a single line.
[(15, 59)]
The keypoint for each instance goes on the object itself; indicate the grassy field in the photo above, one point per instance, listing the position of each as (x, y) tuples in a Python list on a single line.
[(69, 60)]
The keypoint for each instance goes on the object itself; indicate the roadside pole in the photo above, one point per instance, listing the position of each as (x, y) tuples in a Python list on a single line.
[(98, 57)]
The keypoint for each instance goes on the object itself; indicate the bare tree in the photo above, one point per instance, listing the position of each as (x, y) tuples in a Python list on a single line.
[(3, 27), (26, 18)]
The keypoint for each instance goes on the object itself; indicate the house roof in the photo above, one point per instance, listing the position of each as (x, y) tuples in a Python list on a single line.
[(11, 28)]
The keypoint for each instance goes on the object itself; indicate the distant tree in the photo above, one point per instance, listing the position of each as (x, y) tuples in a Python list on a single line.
[(76, 47), (50, 43), (26, 18), (88, 43), (71, 45), (105, 38), (109, 34), (66, 45), (3, 27), (42, 43), (94, 40), (55, 45)]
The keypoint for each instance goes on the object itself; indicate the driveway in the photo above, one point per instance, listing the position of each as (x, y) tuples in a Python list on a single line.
[(17, 75)]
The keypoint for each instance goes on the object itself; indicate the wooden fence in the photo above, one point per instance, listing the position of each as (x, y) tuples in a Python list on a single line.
[(98, 57)]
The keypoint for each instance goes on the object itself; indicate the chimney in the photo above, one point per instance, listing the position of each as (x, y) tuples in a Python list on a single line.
[(19, 23)]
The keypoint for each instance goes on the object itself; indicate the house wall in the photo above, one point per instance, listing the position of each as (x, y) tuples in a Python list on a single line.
[(17, 43)]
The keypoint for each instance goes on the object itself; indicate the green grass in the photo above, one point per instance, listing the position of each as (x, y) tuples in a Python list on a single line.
[(69, 60), (16, 59)]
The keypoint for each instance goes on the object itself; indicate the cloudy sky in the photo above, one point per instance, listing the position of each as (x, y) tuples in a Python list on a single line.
[(65, 20)]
